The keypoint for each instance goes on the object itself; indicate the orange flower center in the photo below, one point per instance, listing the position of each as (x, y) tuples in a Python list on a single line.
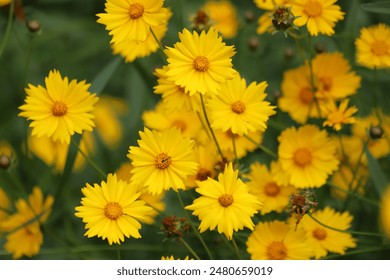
[(113, 210), (136, 10), (162, 161), (203, 174), (277, 251), (302, 157), (319, 234), (201, 63), (306, 95), (313, 8), (180, 125), (326, 83), (379, 48), (272, 189), (59, 109), (238, 107), (225, 200)]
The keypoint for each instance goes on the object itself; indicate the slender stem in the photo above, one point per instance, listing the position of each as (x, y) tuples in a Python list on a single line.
[(236, 249), (356, 252), (209, 126), (93, 164), (118, 252), (9, 27), (346, 231), (189, 248), (194, 228), (262, 147), (161, 49), (203, 124), (375, 85), (354, 194)]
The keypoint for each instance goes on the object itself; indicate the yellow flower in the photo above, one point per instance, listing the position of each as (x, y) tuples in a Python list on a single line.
[(60, 109), (225, 204), (320, 16), (162, 161), (265, 21), (25, 237), (373, 46), (4, 2), (172, 258), (132, 19), (224, 15), (240, 108), (345, 180), (262, 184), (336, 117), (385, 211), (307, 155), (200, 63), (277, 240), (324, 240), (112, 210), (5, 207)]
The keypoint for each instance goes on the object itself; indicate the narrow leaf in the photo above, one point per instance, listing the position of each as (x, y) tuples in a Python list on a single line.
[(377, 7), (378, 177), (102, 78)]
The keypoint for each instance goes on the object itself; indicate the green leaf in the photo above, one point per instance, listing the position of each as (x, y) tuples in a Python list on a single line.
[(377, 175), (102, 78), (377, 7)]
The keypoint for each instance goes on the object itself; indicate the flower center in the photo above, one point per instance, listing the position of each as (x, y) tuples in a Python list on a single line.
[(179, 124), (306, 96), (272, 189), (302, 157), (113, 210), (319, 234), (203, 174), (277, 251), (238, 107), (313, 8), (59, 109), (379, 48), (162, 161), (201, 63), (225, 200), (326, 83), (136, 10)]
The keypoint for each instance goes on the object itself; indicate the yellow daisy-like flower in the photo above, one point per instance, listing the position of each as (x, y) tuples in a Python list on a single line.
[(131, 20), (277, 240), (225, 204), (336, 117), (262, 184), (224, 17), (172, 258), (112, 210), (240, 108), (265, 21), (385, 211), (324, 240), (59, 110), (162, 160), (25, 237), (344, 180), (320, 16), (200, 63), (307, 155), (373, 46)]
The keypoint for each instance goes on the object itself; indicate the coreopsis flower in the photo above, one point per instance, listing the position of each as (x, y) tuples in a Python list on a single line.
[(225, 204), (131, 20), (263, 185), (162, 160), (277, 240), (307, 155), (320, 16), (240, 108), (5, 208), (345, 180), (172, 258), (24, 236), (223, 17), (200, 63), (385, 211), (59, 110), (265, 20), (323, 239), (373, 46), (336, 117), (112, 210)]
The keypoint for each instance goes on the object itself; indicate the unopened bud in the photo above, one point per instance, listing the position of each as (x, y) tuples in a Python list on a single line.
[(320, 48), (249, 16), (253, 43), (5, 161), (33, 25), (376, 132), (288, 53)]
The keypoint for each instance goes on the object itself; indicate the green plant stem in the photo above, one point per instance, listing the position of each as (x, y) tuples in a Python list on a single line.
[(209, 126), (93, 164), (346, 231), (118, 252), (354, 194), (375, 85), (160, 47), (194, 228), (189, 248), (7, 34), (262, 147), (356, 252), (236, 249)]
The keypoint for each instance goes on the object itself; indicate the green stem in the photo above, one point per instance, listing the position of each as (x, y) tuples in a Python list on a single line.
[(262, 147), (346, 231), (356, 252), (354, 194), (160, 47), (118, 252), (8, 29), (236, 249), (375, 85), (189, 248), (194, 228)]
